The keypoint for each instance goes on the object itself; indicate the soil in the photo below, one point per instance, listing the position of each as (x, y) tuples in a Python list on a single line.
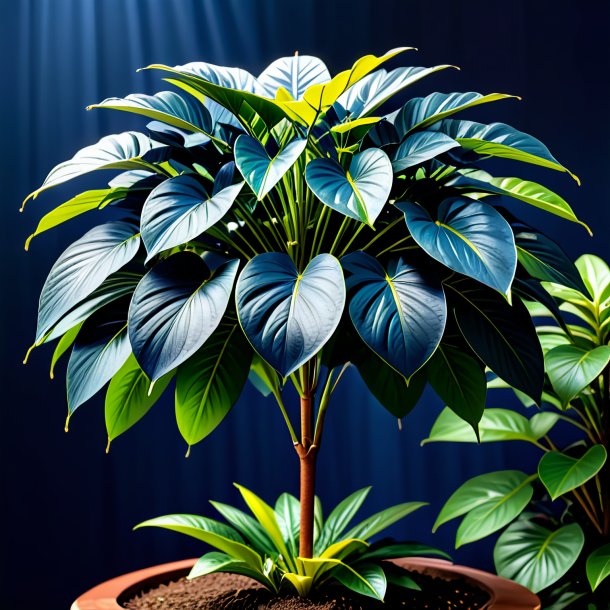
[(233, 592)]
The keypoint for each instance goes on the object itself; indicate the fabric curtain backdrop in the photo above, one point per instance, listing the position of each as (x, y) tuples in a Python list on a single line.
[(67, 508)]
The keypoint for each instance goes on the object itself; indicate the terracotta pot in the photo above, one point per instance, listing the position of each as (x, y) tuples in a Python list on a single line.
[(504, 594)]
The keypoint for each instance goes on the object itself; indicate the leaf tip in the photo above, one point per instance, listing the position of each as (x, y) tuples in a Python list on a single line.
[(67, 424), (188, 452), (27, 354), (108, 445)]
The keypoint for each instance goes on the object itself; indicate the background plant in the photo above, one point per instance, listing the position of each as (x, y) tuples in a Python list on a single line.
[(348, 235), (561, 535)]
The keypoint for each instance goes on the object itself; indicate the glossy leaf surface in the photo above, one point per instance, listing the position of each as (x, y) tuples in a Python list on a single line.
[(598, 566), (294, 74), (420, 147)]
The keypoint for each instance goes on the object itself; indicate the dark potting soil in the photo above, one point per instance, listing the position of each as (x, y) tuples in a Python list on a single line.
[(233, 592)]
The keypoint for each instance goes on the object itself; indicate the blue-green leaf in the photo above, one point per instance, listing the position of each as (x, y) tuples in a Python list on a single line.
[(360, 192), (419, 147), (121, 151), (293, 74), (175, 308), (82, 268), (209, 383), (261, 171), (288, 316), (101, 348), (420, 112), (399, 311), (503, 336), (469, 236), (180, 209), (500, 140), (165, 106)]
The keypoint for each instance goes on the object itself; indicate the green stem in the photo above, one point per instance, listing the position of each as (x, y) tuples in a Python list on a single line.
[(382, 233)]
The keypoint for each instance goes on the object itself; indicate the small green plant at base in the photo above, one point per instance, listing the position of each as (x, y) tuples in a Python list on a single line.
[(281, 228), (556, 520), (265, 547)]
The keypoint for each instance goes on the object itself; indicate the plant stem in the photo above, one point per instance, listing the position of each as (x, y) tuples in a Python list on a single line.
[(307, 456)]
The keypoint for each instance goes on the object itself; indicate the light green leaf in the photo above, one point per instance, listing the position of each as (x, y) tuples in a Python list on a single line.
[(63, 345), (598, 566), (595, 274), (571, 369), (382, 520), (536, 557), (561, 473), (340, 550), (368, 579), (288, 513), (302, 584), (495, 425)]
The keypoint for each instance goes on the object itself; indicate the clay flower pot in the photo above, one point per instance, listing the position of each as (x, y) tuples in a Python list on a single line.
[(504, 594)]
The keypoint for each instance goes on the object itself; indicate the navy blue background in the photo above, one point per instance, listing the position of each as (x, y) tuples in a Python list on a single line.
[(67, 508)]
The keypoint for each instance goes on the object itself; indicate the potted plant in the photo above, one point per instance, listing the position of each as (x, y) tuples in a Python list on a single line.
[(282, 228), (558, 537)]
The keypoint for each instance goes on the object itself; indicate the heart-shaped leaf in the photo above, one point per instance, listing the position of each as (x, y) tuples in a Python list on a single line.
[(420, 147), (571, 368), (561, 473), (288, 316), (120, 151), (261, 171), (489, 501), (82, 268), (175, 308), (360, 192), (469, 236), (536, 557), (180, 209), (598, 566), (399, 312), (460, 382), (294, 74), (419, 112), (100, 350), (129, 397), (503, 336), (166, 106), (209, 383)]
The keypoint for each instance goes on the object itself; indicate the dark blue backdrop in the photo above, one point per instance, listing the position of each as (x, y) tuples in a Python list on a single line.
[(67, 508)]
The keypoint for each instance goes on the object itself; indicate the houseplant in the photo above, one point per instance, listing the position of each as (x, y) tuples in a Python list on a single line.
[(558, 514), (347, 234)]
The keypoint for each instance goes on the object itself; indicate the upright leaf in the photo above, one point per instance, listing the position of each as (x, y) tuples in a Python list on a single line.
[(294, 74), (598, 566), (420, 147), (288, 316)]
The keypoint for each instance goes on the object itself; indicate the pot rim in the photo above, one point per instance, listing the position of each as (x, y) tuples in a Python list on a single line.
[(505, 594)]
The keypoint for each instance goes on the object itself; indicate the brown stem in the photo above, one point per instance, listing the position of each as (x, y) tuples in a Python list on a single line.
[(307, 456)]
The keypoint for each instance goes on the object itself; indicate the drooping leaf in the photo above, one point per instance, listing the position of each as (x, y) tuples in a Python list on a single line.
[(468, 236), (561, 473), (261, 171), (571, 368), (129, 397), (63, 345), (489, 501), (294, 74), (180, 209), (389, 387), (82, 268), (366, 579), (544, 259), (419, 147), (495, 425), (288, 316), (175, 308), (360, 192), (598, 566), (100, 350), (420, 112), (460, 382), (121, 151), (365, 96), (166, 106), (220, 536), (503, 336), (209, 383), (499, 140), (536, 557), (399, 311)]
